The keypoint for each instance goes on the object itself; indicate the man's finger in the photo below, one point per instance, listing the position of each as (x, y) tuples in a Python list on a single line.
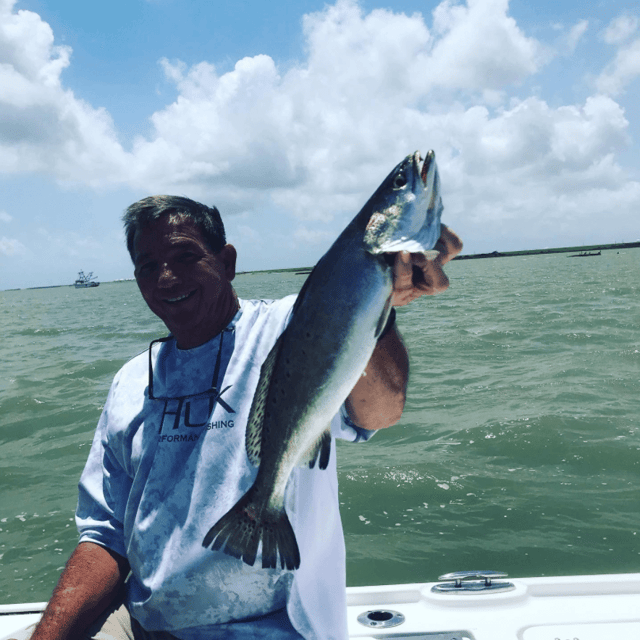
[(449, 245), (403, 271)]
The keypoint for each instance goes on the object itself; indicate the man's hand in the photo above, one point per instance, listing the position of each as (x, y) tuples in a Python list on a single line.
[(414, 275), (378, 398)]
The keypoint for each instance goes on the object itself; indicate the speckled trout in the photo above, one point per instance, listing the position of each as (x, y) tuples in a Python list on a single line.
[(336, 321)]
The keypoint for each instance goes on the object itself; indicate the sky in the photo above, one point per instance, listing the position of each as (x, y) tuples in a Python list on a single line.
[(287, 116)]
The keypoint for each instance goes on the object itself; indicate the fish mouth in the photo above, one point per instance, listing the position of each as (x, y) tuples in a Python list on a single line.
[(426, 165)]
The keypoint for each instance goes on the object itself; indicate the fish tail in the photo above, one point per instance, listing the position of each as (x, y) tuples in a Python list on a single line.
[(240, 530)]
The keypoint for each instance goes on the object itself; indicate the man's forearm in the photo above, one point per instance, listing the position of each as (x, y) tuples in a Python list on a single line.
[(91, 580), (378, 398)]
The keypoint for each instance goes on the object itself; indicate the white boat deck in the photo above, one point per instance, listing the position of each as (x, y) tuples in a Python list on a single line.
[(603, 607)]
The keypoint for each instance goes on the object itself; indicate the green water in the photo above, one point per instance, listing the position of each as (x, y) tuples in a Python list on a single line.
[(519, 449)]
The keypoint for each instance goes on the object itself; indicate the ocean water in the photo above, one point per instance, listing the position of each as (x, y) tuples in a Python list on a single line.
[(519, 449)]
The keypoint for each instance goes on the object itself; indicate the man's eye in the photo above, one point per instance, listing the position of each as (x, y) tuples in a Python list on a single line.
[(146, 268), (188, 256)]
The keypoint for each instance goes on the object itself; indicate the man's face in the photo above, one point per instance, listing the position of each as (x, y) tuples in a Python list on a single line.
[(184, 283)]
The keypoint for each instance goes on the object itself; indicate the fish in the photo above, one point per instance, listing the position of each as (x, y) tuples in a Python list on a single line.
[(336, 321)]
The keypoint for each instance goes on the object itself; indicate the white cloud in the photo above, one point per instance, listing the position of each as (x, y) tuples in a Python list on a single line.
[(620, 29), (481, 47), (312, 236), (583, 135), (229, 132), (68, 244), (5, 217), (624, 69), (574, 35), (11, 247), (44, 127), (316, 139), (309, 139), (521, 168)]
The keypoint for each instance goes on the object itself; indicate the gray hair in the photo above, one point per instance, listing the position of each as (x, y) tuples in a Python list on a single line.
[(148, 210)]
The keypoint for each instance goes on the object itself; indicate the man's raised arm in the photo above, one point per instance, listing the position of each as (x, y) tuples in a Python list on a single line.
[(378, 398)]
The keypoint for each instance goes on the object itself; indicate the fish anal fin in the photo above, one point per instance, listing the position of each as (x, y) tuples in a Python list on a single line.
[(253, 440), (319, 452)]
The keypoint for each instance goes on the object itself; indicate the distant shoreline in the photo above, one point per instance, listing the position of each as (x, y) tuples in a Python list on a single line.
[(472, 256), (536, 252), (494, 254), (58, 286)]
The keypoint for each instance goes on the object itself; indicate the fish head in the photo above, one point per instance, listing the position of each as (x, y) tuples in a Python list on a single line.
[(406, 208)]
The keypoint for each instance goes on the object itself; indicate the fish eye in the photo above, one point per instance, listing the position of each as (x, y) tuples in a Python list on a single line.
[(399, 181)]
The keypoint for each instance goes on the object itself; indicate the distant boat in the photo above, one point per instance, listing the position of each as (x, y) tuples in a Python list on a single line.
[(585, 254), (83, 281)]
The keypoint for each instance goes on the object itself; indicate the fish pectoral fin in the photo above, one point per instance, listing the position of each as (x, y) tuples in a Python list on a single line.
[(253, 439), (319, 451), (382, 322)]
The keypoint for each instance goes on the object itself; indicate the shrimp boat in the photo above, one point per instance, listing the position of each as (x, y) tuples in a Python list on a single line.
[(471, 605), (83, 281)]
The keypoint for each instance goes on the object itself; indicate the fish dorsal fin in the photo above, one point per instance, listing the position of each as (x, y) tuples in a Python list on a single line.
[(303, 290), (253, 438), (319, 451)]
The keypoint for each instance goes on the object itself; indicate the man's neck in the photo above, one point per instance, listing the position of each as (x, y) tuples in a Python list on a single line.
[(198, 336)]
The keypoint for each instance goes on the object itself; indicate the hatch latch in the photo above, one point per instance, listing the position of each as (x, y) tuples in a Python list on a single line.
[(473, 582)]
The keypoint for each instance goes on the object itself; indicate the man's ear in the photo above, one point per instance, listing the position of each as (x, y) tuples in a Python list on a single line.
[(229, 255)]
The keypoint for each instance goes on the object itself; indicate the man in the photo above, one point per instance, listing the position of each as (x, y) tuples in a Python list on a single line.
[(168, 458)]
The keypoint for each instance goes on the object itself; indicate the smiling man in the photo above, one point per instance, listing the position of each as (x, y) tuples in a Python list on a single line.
[(185, 281), (169, 458)]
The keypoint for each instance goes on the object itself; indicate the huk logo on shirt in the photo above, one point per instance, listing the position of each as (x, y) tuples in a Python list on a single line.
[(194, 413)]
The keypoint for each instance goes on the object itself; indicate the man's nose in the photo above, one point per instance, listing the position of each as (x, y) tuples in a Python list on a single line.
[(167, 276)]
